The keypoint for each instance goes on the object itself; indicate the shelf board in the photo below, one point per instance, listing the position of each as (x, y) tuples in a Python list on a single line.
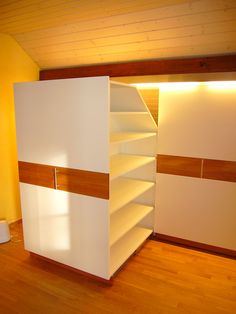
[(121, 113), (126, 218), (123, 163), (124, 190), (122, 137), (132, 122), (126, 246)]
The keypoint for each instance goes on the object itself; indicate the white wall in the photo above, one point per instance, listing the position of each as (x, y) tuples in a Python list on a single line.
[(198, 121)]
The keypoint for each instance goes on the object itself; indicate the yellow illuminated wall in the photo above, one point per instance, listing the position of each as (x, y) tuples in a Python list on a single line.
[(15, 66)]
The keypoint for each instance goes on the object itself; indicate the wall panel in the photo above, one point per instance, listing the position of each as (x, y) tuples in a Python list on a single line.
[(197, 123)]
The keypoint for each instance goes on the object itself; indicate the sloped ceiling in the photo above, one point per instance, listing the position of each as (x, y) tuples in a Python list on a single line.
[(59, 33)]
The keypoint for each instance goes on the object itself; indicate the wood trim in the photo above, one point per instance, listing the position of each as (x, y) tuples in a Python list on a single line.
[(88, 275), (83, 182), (219, 170), (37, 174), (70, 268), (13, 224), (196, 245), (213, 169), (223, 63), (178, 165)]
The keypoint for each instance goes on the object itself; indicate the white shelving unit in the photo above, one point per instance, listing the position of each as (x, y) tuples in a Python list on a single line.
[(129, 207), (99, 126)]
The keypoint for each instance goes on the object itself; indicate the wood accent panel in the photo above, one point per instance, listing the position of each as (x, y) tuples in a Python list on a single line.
[(71, 180), (151, 97), (176, 165), (222, 170), (195, 245), (83, 182), (225, 63), (74, 270), (15, 223), (219, 170), (36, 174)]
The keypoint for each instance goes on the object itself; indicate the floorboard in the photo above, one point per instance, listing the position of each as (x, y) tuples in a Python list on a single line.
[(161, 278)]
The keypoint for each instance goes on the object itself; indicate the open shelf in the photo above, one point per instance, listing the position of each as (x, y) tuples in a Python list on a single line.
[(126, 246), (132, 122), (121, 137), (121, 113), (126, 218), (124, 190), (123, 163)]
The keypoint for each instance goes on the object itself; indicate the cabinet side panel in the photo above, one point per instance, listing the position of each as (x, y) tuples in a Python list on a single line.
[(64, 123), (69, 228)]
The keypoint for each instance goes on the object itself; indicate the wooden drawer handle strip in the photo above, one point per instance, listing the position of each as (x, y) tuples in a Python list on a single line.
[(83, 182)]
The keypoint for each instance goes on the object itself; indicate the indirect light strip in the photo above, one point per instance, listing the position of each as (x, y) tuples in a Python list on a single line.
[(167, 86), (219, 85)]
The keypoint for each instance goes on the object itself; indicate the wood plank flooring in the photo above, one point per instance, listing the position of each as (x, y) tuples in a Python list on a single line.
[(161, 278)]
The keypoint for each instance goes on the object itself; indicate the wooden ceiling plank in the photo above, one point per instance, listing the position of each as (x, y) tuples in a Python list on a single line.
[(190, 51), (136, 46), (47, 16), (143, 6), (66, 12), (148, 36), (71, 46), (220, 27), (33, 10), (57, 35), (164, 12), (106, 52), (118, 7), (9, 6), (51, 16), (59, 32)]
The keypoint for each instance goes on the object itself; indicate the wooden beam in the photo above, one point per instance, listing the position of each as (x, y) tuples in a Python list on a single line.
[(226, 63)]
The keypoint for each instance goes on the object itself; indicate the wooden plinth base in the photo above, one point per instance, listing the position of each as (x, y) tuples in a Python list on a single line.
[(195, 245), (75, 270)]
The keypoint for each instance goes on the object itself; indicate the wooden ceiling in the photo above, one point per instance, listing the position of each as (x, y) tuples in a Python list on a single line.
[(65, 33)]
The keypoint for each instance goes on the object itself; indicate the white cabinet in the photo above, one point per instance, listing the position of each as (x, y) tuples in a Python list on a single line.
[(90, 128)]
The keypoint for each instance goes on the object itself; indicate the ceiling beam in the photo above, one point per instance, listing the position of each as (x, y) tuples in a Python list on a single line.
[(226, 63)]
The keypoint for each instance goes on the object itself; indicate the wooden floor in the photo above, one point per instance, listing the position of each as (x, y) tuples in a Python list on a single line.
[(161, 278)]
